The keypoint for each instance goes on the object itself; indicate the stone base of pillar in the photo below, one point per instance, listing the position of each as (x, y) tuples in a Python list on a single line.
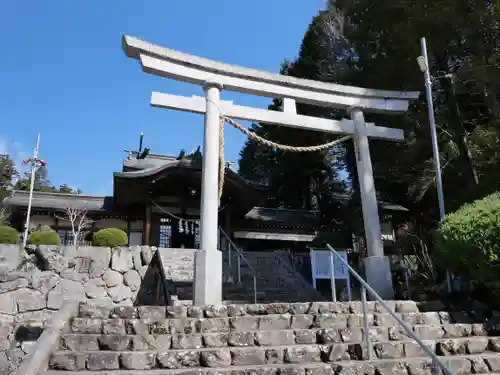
[(207, 278), (378, 276)]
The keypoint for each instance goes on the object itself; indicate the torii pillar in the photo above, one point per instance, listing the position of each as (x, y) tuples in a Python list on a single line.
[(208, 262), (377, 265)]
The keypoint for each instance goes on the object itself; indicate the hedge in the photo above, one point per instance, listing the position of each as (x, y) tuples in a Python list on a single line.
[(9, 235), (110, 237), (468, 241), (44, 237)]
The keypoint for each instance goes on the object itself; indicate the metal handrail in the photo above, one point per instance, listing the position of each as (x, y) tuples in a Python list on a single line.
[(240, 257), (365, 287)]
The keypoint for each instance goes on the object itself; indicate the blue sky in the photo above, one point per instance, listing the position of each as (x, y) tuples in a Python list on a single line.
[(63, 73)]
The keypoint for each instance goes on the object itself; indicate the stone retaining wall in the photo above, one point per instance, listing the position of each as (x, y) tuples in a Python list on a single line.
[(35, 283)]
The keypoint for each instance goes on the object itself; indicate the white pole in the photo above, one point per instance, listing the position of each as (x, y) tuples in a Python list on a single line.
[(210, 171), (332, 276), (432, 120), (435, 147), (208, 261), (34, 167)]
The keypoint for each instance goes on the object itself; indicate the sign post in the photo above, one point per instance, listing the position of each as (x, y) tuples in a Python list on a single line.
[(325, 265)]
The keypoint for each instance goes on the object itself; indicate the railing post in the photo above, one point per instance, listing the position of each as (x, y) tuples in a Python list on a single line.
[(366, 327), (239, 269), (229, 253), (332, 276), (254, 290), (409, 331)]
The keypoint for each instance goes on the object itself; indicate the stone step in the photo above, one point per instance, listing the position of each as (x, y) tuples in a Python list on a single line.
[(242, 294), (159, 324), (251, 356), (145, 341), (463, 364), (421, 366), (148, 312)]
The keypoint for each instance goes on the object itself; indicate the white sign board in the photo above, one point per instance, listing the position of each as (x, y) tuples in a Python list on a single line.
[(321, 264), (326, 265)]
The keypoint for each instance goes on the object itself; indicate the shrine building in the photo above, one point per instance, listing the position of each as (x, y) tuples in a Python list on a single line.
[(156, 201)]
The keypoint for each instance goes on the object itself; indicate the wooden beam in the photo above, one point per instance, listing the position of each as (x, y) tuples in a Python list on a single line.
[(179, 72), (274, 236), (344, 126)]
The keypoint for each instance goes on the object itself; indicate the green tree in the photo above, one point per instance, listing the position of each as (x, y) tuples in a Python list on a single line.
[(42, 183), (296, 180), (462, 39), (8, 173), (375, 44), (64, 188)]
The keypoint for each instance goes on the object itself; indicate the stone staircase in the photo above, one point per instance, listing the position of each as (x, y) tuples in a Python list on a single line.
[(323, 338), (178, 269), (276, 279)]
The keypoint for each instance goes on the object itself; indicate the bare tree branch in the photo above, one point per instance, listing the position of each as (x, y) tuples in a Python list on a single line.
[(79, 223)]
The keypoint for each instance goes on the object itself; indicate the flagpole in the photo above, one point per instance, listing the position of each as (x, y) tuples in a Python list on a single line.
[(35, 164)]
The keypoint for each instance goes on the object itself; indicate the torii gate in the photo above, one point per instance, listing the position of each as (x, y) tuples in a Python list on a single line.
[(214, 76)]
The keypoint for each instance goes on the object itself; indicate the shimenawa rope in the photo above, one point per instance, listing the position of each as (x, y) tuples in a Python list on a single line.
[(173, 216), (266, 142)]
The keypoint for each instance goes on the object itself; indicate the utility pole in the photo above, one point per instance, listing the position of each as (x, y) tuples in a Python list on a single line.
[(35, 163), (423, 62)]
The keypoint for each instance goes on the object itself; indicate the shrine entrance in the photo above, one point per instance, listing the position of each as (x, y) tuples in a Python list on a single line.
[(185, 234), (179, 234), (215, 77)]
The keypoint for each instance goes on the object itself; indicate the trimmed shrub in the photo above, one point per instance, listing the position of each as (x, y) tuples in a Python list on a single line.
[(9, 235), (468, 242), (110, 237), (44, 237)]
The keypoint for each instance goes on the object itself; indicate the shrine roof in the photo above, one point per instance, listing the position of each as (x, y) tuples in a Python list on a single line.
[(301, 217), (151, 167), (59, 201), (382, 204), (391, 206), (131, 162)]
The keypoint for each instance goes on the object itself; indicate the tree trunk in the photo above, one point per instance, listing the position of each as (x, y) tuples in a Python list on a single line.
[(460, 133)]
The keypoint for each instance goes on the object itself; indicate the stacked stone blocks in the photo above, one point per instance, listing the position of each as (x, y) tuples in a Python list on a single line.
[(36, 284), (298, 338)]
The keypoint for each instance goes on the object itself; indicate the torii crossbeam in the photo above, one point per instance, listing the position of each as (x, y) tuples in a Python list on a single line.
[(214, 76)]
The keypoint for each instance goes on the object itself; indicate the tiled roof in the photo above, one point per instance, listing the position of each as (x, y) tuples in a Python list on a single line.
[(43, 200)]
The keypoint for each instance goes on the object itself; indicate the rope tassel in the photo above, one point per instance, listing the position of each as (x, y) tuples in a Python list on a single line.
[(266, 142)]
